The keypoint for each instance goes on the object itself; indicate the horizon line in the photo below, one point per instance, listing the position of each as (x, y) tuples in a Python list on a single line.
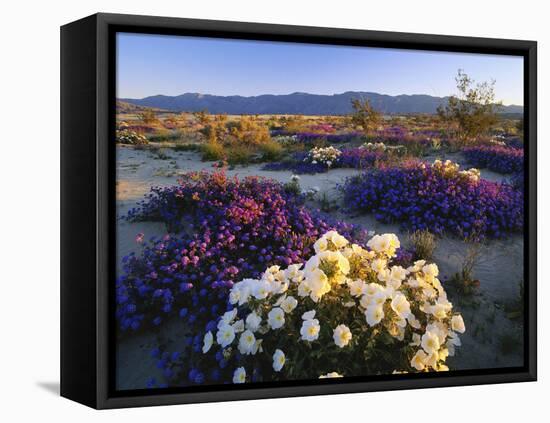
[(294, 92)]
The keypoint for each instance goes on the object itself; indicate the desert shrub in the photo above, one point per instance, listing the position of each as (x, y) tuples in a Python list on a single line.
[(463, 280), (293, 186), (437, 197), (423, 242), (160, 154), (248, 131), (496, 158), (348, 312), (365, 116), (165, 136), (148, 116), (212, 151), (472, 111), (187, 147), (271, 150), (238, 154)]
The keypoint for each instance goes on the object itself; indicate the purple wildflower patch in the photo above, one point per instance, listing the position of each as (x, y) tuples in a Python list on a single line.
[(420, 197), (215, 223), (496, 158)]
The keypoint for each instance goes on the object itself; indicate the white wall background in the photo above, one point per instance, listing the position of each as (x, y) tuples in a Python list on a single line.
[(29, 209)]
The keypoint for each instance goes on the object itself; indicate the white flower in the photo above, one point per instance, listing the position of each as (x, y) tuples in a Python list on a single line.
[(278, 360), (396, 276), (336, 259), (253, 321), (239, 376), (257, 347), (440, 329), (417, 266), (241, 291), (330, 375), (419, 360), (276, 318), (308, 315), (320, 245), (457, 323), (440, 309), (310, 330), (416, 340), (386, 244), (430, 342), (317, 284), (342, 336), (374, 314), (378, 265), (338, 240), (289, 304), (373, 288), (401, 306), (238, 326), (261, 289), (207, 342), (234, 296), (247, 341), (293, 273), (413, 321), (356, 287), (225, 335), (430, 270), (227, 317)]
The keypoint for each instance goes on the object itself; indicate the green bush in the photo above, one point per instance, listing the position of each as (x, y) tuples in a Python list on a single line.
[(239, 154), (271, 150), (212, 151)]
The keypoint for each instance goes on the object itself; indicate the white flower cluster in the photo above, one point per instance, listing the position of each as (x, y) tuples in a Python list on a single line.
[(323, 155), (357, 296), (127, 136), (377, 146), (496, 141), (450, 169), (286, 139)]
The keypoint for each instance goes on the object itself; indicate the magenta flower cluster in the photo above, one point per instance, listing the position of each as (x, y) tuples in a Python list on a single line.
[(420, 197), (233, 229), (497, 158)]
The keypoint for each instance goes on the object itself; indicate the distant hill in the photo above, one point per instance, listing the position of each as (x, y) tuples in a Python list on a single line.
[(124, 107), (297, 103)]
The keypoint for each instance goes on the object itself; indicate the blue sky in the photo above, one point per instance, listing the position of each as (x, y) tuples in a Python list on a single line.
[(172, 65)]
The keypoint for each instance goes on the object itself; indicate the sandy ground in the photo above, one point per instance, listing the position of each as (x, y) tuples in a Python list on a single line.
[(493, 338)]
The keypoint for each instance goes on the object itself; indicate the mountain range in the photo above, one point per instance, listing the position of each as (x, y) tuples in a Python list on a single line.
[(297, 103)]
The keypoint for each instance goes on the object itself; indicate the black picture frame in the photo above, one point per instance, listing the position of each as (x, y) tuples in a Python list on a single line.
[(87, 207)]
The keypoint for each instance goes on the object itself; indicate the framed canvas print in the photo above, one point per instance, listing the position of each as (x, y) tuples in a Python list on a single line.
[(254, 211)]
